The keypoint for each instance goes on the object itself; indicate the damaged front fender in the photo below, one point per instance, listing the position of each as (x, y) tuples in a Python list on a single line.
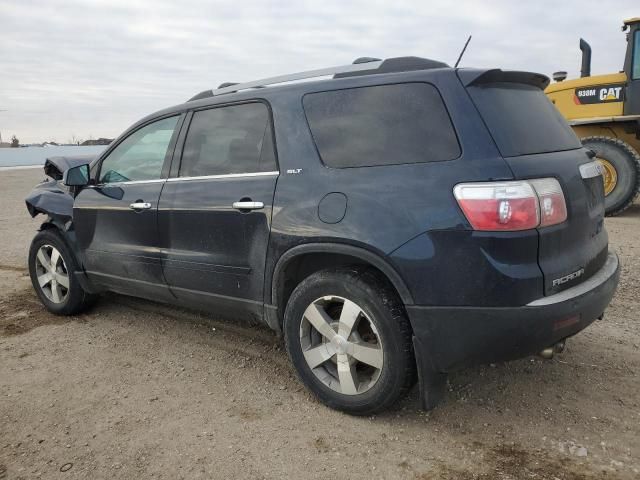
[(51, 197), (55, 200)]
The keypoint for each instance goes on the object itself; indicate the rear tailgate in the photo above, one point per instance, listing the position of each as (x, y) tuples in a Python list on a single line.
[(572, 251), (536, 142)]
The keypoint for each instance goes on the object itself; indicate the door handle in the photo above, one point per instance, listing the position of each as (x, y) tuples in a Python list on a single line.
[(248, 205), (140, 206)]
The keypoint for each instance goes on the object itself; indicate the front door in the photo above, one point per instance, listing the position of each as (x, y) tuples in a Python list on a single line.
[(116, 218), (215, 213)]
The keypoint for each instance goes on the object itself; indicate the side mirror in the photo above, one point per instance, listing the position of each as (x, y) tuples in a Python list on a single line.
[(76, 176)]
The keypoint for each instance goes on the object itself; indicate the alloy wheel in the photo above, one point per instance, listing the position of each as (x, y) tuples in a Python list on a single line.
[(341, 345), (52, 274)]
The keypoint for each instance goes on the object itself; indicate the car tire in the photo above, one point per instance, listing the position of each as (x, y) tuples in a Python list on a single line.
[(51, 267), (622, 162), (372, 365)]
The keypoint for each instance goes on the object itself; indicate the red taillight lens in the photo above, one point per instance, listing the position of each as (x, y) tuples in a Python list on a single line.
[(499, 205), (512, 206)]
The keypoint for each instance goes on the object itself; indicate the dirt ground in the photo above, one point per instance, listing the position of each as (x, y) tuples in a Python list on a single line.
[(133, 389)]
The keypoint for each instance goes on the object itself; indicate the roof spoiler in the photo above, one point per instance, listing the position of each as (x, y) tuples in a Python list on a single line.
[(475, 77)]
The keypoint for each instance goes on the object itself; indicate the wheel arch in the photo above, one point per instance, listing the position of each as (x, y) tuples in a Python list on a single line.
[(65, 230), (299, 262), (51, 223)]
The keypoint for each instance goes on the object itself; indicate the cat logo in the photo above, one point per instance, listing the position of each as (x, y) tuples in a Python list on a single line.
[(601, 94), (610, 94)]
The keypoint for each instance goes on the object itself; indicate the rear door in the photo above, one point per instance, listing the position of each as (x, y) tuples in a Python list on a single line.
[(116, 219), (215, 212), (536, 142)]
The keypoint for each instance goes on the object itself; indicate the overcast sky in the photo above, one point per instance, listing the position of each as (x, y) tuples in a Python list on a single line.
[(91, 68)]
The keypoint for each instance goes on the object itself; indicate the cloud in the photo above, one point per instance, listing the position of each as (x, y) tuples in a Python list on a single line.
[(93, 68)]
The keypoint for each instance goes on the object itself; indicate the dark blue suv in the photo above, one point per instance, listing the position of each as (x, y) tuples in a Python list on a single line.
[(397, 220)]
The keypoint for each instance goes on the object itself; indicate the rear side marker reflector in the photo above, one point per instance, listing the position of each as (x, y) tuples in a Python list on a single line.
[(591, 169), (566, 322), (512, 206)]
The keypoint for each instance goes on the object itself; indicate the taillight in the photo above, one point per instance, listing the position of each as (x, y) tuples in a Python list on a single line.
[(512, 206), (553, 209)]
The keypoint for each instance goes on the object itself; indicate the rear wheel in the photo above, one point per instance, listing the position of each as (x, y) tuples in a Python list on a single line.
[(621, 171), (51, 267), (349, 340)]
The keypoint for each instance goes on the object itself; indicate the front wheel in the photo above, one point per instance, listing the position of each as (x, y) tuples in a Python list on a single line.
[(51, 267), (350, 340)]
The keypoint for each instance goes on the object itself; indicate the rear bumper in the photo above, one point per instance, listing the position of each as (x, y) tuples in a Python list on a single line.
[(449, 338)]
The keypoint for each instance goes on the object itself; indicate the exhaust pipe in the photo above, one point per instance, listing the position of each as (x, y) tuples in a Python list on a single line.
[(549, 352), (585, 69)]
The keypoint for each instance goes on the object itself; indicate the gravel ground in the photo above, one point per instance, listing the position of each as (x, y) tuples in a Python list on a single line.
[(135, 389)]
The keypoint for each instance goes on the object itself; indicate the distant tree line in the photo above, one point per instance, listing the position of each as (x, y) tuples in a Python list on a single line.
[(99, 141), (91, 141), (15, 143)]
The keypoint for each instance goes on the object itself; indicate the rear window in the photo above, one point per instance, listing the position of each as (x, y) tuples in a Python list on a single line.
[(522, 120), (381, 125)]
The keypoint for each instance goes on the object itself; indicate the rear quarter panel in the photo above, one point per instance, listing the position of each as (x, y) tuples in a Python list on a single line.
[(387, 206)]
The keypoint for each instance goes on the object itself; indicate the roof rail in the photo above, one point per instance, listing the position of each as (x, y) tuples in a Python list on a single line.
[(322, 72)]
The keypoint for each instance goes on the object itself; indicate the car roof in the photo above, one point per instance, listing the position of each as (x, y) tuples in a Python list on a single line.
[(263, 89)]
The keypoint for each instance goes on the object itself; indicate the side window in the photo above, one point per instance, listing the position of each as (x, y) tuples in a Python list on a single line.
[(381, 125), (141, 155), (225, 140), (636, 56)]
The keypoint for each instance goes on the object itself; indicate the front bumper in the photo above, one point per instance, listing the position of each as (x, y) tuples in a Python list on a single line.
[(449, 338)]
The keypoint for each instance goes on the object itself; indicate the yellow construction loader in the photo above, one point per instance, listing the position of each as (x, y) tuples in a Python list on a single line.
[(604, 111)]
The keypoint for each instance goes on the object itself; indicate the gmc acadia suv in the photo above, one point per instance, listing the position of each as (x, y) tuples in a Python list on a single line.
[(398, 220)]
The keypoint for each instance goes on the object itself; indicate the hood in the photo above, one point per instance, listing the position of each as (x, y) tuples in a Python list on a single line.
[(54, 167)]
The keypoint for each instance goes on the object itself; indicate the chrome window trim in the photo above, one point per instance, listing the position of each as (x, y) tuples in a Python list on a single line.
[(130, 182), (203, 177), (228, 175)]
